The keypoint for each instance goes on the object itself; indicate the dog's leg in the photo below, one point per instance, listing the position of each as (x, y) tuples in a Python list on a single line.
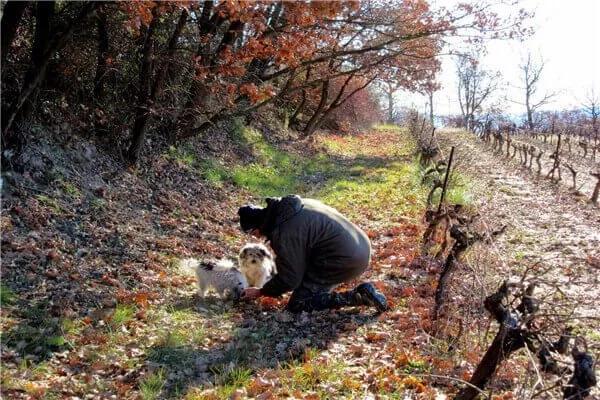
[(225, 294), (251, 278), (264, 277), (201, 289)]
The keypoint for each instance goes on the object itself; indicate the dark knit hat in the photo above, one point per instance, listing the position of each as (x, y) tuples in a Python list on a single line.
[(251, 217)]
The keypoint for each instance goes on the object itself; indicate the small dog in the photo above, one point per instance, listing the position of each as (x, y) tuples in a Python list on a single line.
[(220, 275), (257, 264)]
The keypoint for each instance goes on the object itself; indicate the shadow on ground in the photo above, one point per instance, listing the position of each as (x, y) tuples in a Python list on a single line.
[(259, 340)]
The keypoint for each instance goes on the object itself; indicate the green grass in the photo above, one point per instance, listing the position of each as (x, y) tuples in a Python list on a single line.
[(273, 172), (372, 182), (213, 172), (178, 346), (38, 334), (210, 169), (7, 296), (97, 204), (245, 347), (173, 353), (182, 320), (71, 189), (416, 366), (264, 180), (387, 127), (183, 154), (122, 315), (313, 375), (459, 190), (49, 202), (152, 384), (379, 194), (231, 380)]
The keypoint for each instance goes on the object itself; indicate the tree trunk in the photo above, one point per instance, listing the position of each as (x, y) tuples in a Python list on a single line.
[(390, 96), (229, 37), (339, 99), (43, 14), (294, 117), (431, 108), (596, 193), (11, 18), (143, 106), (300, 108), (38, 73), (529, 112), (312, 123), (208, 23), (158, 86), (103, 51), (507, 341)]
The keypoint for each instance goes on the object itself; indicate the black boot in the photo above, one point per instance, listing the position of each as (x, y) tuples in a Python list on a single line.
[(364, 294)]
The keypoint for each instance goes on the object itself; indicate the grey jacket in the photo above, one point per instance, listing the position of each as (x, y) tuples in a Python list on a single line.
[(312, 242)]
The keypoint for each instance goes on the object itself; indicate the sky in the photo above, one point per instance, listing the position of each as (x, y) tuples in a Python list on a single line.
[(567, 37)]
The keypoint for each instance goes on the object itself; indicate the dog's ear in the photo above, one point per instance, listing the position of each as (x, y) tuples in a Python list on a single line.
[(244, 252), (265, 253), (271, 200)]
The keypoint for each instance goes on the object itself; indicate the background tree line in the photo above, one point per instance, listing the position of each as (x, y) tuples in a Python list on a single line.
[(167, 71)]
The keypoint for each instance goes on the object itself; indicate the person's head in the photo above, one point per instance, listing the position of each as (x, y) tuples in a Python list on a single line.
[(252, 218)]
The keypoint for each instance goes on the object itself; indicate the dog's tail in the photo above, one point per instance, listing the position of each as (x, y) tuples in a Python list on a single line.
[(188, 266)]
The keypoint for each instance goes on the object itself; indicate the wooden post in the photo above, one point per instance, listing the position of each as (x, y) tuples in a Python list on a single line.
[(446, 179)]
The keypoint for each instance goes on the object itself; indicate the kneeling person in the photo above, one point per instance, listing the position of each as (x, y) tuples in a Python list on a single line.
[(316, 248)]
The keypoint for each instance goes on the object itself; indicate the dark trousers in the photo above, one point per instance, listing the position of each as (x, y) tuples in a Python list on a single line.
[(311, 296)]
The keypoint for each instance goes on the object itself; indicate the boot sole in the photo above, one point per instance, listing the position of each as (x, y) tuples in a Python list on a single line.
[(372, 297)]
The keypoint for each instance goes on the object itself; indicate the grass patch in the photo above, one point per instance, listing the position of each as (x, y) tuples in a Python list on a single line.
[(387, 127), (373, 182), (313, 376), (213, 172), (176, 346), (7, 296), (49, 202), (122, 315), (71, 189), (231, 380), (264, 180), (379, 194), (459, 190), (416, 366), (245, 346), (183, 155), (273, 172), (174, 357), (98, 204), (152, 384), (38, 334), (174, 354)]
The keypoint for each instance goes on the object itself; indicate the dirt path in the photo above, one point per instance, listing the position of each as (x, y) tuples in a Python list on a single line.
[(546, 223)]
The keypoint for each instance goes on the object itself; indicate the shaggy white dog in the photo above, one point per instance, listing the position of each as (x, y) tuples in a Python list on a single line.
[(220, 275), (257, 264)]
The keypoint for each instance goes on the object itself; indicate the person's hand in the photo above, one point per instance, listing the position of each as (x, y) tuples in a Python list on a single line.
[(250, 293)]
